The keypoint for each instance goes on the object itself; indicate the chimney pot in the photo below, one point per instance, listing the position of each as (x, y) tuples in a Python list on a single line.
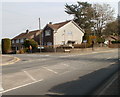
[(27, 31), (50, 22)]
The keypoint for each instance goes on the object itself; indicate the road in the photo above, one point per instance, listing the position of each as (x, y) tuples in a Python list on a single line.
[(59, 74)]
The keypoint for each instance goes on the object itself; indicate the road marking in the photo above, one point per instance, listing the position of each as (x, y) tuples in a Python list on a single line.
[(64, 72), (21, 86), (29, 75), (65, 65), (50, 70), (1, 89), (53, 93), (12, 61), (101, 93), (108, 58), (88, 53), (113, 63)]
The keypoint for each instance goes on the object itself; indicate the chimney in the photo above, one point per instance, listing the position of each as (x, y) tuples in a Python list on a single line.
[(27, 31), (50, 22)]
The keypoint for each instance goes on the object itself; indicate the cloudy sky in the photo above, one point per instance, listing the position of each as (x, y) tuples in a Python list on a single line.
[(19, 16)]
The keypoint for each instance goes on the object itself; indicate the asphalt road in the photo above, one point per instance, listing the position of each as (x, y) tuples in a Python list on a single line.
[(59, 74)]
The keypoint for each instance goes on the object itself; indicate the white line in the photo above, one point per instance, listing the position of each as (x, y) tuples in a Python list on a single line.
[(29, 75), (64, 72), (108, 58), (1, 89), (65, 65), (89, 53), (50, 70), (108, 86), (113, 63), (21, 86)]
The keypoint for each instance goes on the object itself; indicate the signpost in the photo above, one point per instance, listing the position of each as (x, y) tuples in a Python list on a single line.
[(85, 41)]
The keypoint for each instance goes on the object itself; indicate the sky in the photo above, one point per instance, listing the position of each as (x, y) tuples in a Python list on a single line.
[(18, 16)]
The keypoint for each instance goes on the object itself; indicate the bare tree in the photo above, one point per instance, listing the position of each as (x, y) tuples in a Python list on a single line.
[(103, 14)]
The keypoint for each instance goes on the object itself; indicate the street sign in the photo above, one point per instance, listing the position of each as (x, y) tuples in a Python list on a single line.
[(84, 41)]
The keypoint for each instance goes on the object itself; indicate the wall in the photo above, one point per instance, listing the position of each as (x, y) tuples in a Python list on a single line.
[(62, 34)]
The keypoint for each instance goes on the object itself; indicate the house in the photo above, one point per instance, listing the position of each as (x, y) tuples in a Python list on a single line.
[(64, 33), (17, 42), (111, 38)]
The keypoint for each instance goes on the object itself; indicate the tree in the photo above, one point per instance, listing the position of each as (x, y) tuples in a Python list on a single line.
[(30, 42), (83, 14), (111, 28), (6, 45), (103, 14)]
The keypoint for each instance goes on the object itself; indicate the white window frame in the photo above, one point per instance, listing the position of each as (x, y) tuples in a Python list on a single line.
[(13, 41), (69, 33), (21, 40), (49, 43), (17, 41), (47, 32)]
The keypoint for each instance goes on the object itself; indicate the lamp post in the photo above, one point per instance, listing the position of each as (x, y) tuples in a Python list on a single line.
[(54, 41), (64, 37), (40, 34)]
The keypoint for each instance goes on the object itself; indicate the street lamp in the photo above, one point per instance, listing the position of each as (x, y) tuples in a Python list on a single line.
[(54, 40)]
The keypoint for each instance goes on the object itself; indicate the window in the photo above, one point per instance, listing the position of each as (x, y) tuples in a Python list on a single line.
[(13, 41), (69, 33), (21, 40), (47, 32), (49, 43), (17, 41)]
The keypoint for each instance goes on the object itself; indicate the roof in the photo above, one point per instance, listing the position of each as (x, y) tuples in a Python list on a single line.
[(26, 35), (113, 37), (56, 26)]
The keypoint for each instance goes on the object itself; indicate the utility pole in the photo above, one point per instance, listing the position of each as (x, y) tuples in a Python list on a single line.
[(40, 34)]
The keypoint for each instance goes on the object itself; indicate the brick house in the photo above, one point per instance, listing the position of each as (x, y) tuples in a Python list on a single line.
[(17, 42)]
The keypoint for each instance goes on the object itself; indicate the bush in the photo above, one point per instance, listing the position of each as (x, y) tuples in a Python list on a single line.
[(6, 46), (65, 47), (115, 42), (89, 38), (82, 45), (21, 51), (100, 40), (31, 42)]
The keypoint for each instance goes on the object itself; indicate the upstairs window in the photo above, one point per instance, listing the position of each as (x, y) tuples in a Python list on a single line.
[(17, 41), (21, 40), (13, 41), (47, 32), (49, 43), (69, 33)]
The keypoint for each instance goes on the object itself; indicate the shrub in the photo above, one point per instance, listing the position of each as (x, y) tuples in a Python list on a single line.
[(21, 51), (100, 40), (6, 45), (31, 42), (82, 45), (115, 42), (89, 38)]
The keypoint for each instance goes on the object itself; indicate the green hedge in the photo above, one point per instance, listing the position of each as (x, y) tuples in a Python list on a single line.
[(114, 42), (100, 40), (6, 45), (82, 45)]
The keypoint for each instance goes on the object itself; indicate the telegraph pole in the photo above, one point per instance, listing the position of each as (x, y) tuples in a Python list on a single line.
[(40, 34)]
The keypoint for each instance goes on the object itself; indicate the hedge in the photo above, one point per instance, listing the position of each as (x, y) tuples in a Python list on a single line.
[(82, 45), (114, 42), (6, 45)]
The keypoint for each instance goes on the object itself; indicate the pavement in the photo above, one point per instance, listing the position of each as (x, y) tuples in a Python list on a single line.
[(111, 86), (61, 74)]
